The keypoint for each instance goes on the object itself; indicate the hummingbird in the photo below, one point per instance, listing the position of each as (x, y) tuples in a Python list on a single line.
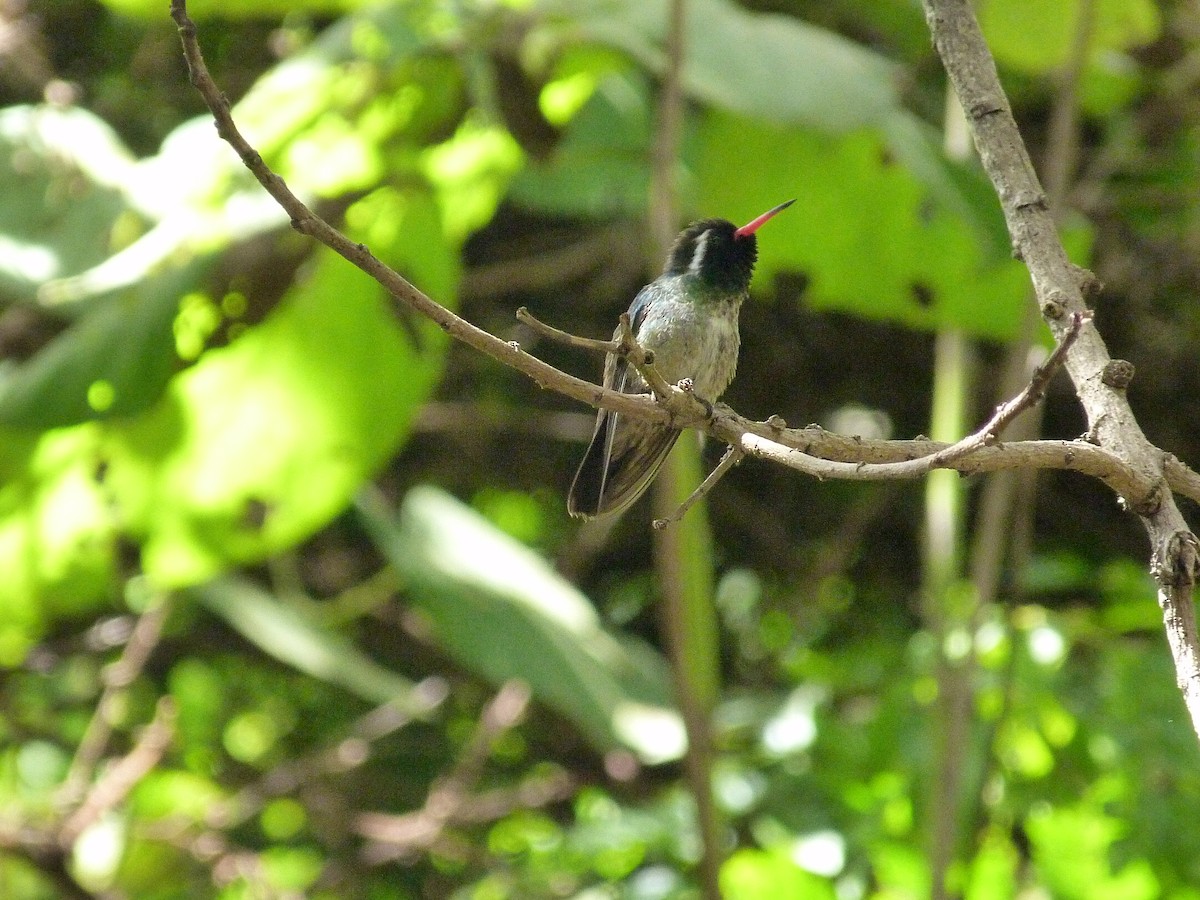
[(688, 317)]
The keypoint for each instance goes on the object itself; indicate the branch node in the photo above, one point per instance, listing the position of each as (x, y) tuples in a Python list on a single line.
[(732, 457), (1117, 374), (1089, 284), (1176, 561), (988, 106), (1031, 199)]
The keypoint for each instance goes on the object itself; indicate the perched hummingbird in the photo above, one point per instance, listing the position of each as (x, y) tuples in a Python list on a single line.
[(688, 317)]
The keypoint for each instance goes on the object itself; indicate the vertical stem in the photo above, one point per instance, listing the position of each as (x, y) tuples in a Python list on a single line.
[(1005, 507), (945, 499), (664, 204), (683, 552), (683, 557), (944, 502)]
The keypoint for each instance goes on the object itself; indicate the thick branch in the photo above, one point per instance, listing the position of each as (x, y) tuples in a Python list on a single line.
[(1061, 289)]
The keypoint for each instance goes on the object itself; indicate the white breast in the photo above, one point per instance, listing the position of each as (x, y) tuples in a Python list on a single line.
[(696, 342)]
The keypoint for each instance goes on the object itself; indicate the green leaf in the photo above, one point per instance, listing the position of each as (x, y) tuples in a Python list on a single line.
[(501, 611), (264, 441), (600, 167), (733, 55), (287, 634), (750, 874), (774, 68), (114, 361), (56, 533), (1071, 847), (1037, 37), (861, 231), (62, 174)]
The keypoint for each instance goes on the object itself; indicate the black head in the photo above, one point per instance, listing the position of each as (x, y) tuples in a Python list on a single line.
[(719, 252)]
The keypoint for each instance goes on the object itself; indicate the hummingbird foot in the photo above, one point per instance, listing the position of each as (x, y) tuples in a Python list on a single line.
[(689, 387)]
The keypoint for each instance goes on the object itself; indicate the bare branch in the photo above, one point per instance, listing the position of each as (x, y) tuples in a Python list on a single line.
[(405, 293), (1182, 478), (117, 677), (732, 457), (124, 774), (393, 836), (565, 337), (1060, 289)]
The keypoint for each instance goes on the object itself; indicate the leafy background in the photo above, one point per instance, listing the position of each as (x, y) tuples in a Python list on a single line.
[(343, 534)]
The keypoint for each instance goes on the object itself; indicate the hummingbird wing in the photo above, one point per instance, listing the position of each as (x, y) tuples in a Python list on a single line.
[(625, 454)]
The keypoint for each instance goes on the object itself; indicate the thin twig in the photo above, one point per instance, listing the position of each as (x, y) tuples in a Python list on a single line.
[(404, 292), (731, 458), (117, 678), (1030, 395), (124, 775), (983, 437), (392, 836), (565, 337), (643, 361)]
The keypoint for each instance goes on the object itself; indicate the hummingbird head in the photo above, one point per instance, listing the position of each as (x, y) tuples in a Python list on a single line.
[(719, 253)]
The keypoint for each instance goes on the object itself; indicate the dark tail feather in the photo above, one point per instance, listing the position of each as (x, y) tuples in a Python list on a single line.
[(611, 478), (587, 490)]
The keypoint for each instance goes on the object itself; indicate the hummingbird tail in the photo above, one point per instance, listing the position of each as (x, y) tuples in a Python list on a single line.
[(587, 490), (613, 475)]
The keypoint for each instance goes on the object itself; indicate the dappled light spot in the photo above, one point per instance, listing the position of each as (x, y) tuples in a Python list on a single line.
[(250, 736), (1046, 645), (194, 324), (98, 852), (657, 734), (559, 100), (234, 304), (101, 395), (794, 727), (822, 853)]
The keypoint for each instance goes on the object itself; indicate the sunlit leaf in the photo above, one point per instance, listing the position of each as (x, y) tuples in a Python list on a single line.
[(773, 68), (114, 361), (861, 231), (56, 534), (1071, 852), (62, 196), (265, 440), (1038, 37), (501, 611), (285, 633), (750, 874)]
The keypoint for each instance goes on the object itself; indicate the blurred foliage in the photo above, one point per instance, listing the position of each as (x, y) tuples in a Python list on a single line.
[(242, 499)]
